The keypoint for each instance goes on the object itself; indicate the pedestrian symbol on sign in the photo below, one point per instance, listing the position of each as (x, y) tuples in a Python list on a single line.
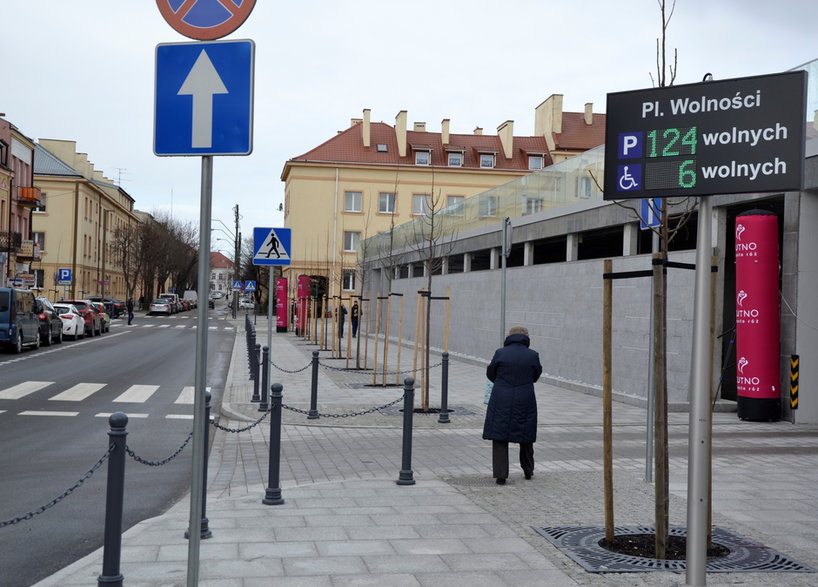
[(271, 246)]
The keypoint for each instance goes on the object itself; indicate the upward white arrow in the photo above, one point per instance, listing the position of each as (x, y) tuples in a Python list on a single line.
[(203, 82)]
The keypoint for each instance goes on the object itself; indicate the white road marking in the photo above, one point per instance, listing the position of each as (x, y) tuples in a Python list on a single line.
[(78, 393), (23, 389), (137, 394), (179, 417), (108, 415), (46, 413)]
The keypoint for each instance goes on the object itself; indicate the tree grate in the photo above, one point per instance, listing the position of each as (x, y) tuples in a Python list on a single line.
[(581, 544)]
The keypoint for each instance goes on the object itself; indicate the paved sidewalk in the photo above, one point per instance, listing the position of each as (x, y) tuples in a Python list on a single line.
[(346, 522)]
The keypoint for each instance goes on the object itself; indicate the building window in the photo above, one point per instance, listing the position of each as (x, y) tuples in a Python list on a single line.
[(535, 161), (352, 201), (41, 207), (422, 157), (386, 203), (584, 187), (532, 205), (420, 205), (455, 205), (39, 239), (348, 283), (382, 148), (39, 278), (488, 206), (455, 160), (486, 160), (351, 240)]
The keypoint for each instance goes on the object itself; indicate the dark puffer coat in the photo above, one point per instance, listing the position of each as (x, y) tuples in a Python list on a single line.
[(512, 409)]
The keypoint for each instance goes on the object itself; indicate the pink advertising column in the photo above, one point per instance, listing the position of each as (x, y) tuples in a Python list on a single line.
[(757, 317), (302, 304), (282, 305)]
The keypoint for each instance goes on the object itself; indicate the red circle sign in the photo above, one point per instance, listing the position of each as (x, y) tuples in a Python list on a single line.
[(205, 20)]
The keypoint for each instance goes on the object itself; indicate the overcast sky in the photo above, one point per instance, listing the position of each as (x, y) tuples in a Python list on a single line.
[(84, 70)]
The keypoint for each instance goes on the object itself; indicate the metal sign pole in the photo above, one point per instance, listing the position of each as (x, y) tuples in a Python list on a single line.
[(270, 325), (197, 474), (698, 473)]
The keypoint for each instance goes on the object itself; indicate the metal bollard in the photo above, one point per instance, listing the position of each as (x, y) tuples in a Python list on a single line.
[(254, 377), (205, 528), (405, 477), (313, 413), (272, 496), (113, 502), (444, 392), (265, 370)]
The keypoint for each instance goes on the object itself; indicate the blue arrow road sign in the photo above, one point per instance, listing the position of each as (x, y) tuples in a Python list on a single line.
[(204, 98), (271, 246)]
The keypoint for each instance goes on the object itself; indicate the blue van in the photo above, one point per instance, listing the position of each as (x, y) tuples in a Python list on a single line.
[(19, 322)]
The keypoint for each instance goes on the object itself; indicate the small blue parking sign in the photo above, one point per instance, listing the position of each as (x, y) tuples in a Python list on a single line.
[(64, 277)]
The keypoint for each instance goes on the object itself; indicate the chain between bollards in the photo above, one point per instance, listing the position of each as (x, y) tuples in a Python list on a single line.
[(204, 531), (444, 391), (272, 495), (113, 502), (406, 475), (313, 414)]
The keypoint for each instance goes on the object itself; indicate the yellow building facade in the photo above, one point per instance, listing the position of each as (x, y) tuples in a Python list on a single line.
[(76, 223), (373, 176)]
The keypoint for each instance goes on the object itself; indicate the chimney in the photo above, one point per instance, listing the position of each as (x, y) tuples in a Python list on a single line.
[(506, 133), (589, 113), (478, 130), (444, 131), (354, 121), (400, 132), (366, 129), (548, 119), (420, 127)]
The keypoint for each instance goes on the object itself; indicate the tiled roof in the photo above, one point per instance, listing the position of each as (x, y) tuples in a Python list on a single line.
[(347, 146), (580, 136), (219, 261), (46, 163)]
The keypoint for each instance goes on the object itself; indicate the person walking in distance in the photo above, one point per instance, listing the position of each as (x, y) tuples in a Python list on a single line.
[(354, 319), (511, 415), (129, 307)]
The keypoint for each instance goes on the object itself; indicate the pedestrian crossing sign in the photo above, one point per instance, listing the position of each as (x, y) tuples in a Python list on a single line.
[(237, 285), (249, 286), (271, 246)]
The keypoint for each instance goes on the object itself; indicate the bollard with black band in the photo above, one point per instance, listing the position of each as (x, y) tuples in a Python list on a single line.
[(443, 418), (313, 414), (265, 373), (264, 405), (255, 379), (204, 531), (406, 475), (272, 496), (113, 502)]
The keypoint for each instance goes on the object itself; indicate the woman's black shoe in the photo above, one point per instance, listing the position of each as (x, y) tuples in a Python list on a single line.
[(529, 475), (501, 480)]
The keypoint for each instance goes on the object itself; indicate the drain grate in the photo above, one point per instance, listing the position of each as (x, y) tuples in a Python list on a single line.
[(581, 544)]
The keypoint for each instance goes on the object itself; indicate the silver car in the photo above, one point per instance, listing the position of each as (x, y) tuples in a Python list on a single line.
[(161, 306)]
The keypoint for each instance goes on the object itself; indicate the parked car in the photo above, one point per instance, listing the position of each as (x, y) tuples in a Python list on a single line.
[(19, 322), (161, 306), (50, 323), (192, 298), (73, 324), (217, 294), (104, 317), (246, 304), (174, 301), (113, 307), (93, 321)]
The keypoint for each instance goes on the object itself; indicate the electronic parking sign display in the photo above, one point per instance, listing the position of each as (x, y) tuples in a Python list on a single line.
[(740, 135)]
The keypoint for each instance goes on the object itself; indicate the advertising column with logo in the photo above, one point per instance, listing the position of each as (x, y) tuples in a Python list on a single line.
[(282, 305), (757, 316), (303, 296)]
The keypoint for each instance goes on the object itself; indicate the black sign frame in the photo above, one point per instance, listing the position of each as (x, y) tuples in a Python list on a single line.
[(741, 135)]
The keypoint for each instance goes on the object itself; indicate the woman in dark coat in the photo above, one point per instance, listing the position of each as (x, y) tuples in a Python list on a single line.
[(512, 409)]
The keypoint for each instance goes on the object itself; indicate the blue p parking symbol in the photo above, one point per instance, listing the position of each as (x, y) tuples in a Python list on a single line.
[(630, 145)]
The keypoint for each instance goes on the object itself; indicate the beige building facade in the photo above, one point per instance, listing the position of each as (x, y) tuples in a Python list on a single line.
[(374, 176), (75, 224)]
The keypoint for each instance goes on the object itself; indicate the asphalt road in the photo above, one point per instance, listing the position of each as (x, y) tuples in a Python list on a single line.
[(52, 436)]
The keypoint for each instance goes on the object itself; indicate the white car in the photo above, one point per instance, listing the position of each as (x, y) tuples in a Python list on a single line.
[(73, 324), (245, 304)]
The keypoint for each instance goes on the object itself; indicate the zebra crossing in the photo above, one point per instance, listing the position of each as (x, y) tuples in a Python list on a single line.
[(134, 395)]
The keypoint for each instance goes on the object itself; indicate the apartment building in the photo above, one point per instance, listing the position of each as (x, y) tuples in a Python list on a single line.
[(373, 176), (76, 222)]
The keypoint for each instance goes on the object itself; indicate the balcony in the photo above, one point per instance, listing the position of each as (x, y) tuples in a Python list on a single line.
[(28, 196), (10, 242)]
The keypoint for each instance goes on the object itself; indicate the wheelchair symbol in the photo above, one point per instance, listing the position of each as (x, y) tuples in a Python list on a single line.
[(627, 180)]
